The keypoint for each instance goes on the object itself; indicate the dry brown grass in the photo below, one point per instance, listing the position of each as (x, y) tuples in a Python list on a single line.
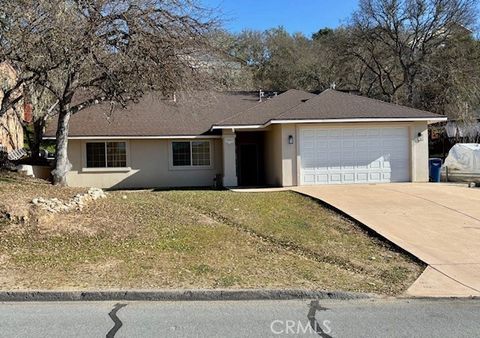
[(17, 192), (195, 239)]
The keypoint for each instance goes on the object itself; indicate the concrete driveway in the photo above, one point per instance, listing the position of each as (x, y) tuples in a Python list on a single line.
[(438, 223)]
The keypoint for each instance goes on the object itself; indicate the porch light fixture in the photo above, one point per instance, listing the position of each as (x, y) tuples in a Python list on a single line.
[(419, 137), (290, 139)]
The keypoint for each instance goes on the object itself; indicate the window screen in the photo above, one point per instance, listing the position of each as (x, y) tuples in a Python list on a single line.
[(96, 155), (181, 153), (191, 153), (116, 154), (201, 153), (106, 154)]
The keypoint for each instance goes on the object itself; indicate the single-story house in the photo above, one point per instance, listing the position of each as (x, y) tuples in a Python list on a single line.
[(294, 138)]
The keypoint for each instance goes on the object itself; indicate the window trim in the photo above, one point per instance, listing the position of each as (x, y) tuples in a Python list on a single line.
[(105, 169), (191, 166)]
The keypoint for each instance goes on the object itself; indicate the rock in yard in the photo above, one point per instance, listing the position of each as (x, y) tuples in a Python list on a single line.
[(54, 205)]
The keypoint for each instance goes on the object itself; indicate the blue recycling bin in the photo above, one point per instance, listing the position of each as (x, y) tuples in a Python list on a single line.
[(435, 166)]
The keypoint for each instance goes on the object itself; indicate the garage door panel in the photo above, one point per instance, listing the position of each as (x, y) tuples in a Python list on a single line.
[(400, 132), (376, 164), (348, 163), (349, 144), (375, 176), (320, 132), (336, 178), (362, 178), (309, 179), (361, 143), (349, 178), (322, 145), (322, 179), (374, 132), (334, 132), (354, 155), (360, 132)]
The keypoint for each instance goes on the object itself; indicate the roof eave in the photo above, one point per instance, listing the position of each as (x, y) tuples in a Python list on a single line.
[(134, 137), (237, 126), (429, 120)]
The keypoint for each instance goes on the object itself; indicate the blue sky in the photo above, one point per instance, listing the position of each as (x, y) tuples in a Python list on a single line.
[(306, 16)]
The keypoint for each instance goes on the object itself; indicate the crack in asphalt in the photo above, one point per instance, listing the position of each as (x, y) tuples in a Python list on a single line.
[(118, 323), (314, 307)]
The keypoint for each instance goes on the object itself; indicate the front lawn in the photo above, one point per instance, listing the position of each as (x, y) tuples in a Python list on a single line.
[(196, 239)]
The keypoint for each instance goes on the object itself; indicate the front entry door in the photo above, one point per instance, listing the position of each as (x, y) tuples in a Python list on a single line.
[(249, 166)]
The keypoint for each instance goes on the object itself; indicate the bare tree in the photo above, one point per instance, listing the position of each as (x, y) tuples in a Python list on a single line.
[(43, 106), (450, 80), (11, 131), (84, 52), (279, 60), (393, 38)]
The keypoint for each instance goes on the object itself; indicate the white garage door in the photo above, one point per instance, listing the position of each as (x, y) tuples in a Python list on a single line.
[(354, 155)]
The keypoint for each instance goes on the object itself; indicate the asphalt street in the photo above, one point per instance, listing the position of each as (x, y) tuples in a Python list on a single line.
[(324, 318)]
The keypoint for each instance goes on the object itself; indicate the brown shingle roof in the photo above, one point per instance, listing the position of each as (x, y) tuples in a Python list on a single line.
[(192, 114), (332, 104), (268, 109), (195, 114)]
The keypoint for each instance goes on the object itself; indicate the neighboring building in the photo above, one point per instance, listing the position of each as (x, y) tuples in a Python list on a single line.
[(295, 138), (11, 130)]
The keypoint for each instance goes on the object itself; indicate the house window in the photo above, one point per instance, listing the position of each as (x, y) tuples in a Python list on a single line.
[(116, 154), (106, 154), (181, 154), (191, 154), (201, 153)]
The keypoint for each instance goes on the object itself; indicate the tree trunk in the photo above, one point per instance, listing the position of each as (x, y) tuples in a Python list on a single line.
[(409, 88), (62, 164), (36, 139)]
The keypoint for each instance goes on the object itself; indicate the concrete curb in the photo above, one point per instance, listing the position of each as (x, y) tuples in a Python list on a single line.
[(175, 295)]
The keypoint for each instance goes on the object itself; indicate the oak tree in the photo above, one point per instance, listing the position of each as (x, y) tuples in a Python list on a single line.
[(85, 52)]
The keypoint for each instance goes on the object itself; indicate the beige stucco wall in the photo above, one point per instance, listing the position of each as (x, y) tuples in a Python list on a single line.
[(230, 178), (289, 155), (149, 162), (280, 156), (419, 155), (273, 156)]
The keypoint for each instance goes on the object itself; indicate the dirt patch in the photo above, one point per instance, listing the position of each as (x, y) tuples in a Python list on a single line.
[(4, 259), (17, 192), (18, 212)]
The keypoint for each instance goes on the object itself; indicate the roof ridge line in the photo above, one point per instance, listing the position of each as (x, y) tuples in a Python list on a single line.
[(286, 111), (240, 112), (248, 109)]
